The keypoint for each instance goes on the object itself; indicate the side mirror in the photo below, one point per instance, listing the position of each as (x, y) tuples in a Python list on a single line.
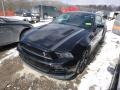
[(100, 26)]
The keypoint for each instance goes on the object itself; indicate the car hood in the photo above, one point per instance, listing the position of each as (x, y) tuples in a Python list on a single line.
[(15, 21), (50, 36)]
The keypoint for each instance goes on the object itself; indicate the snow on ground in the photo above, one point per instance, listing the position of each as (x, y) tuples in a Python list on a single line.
[(100, 71), (12, 53), (42, 22), (109, 24), (18, 17)]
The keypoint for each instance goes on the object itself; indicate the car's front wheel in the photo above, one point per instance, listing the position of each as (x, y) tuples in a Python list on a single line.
[(82, 62)]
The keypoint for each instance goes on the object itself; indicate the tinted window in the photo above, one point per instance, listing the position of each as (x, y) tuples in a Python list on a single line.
[(98, 20)]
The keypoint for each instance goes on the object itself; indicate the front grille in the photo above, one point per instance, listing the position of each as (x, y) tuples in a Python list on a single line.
[(36, 51), (38, 65), (43, 67)]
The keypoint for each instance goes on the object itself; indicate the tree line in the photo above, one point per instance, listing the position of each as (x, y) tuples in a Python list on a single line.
[(26, 4)]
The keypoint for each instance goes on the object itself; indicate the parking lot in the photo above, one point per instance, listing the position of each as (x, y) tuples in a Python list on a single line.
[(16, 75)]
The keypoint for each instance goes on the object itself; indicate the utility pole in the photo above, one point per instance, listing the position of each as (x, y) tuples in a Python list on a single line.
[(3, 8), (41, 11)]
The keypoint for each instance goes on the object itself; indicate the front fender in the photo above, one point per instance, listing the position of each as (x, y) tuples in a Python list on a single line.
[(84, 42), (80, 46)]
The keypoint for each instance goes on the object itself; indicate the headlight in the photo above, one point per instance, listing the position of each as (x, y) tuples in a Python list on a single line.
[(65, 55)]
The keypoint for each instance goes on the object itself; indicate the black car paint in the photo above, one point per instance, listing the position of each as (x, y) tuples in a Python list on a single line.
[(33, 46), (52, 35), (11, 30)]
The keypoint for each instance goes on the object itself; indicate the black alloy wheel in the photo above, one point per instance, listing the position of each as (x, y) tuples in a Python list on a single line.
[(82, 62)]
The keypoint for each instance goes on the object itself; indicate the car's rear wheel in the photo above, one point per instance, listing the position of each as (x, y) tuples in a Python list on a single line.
[(82, 62)]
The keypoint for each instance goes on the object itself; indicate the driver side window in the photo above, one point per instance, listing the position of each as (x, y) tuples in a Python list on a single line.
[(98, 20)]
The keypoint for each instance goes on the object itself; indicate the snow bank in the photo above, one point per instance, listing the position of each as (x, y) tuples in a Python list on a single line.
[(42, 22), (18, 17), (109, 24)]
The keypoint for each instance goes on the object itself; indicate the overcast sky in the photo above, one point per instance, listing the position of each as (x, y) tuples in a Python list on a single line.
[(107, 2)]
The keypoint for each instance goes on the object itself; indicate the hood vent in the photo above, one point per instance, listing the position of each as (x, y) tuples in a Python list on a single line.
[(68, 32)]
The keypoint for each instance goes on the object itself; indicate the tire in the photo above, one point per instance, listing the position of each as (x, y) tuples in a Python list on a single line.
[(82, 63)]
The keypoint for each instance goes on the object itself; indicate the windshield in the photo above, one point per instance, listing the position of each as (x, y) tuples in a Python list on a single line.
[(81, 20)]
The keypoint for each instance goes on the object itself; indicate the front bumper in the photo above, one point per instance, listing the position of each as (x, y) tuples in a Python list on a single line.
[(59, 70)]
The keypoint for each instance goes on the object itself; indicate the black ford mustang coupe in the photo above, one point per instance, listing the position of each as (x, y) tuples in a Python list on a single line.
[(61, 48), (11, 30)]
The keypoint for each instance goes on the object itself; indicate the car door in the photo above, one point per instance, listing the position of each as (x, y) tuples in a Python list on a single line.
[(5, 32), (97, 32)]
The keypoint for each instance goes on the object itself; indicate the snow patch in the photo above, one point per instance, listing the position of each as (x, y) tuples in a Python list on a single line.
[(109, 24), (18, 17), (37, 74), (100, 72), (42, 22), (27, 70), (10, 55)]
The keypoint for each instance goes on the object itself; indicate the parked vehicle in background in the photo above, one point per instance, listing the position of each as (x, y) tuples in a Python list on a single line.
[(12, 30), (25, 14), (116, 25), (62, 47), (21, 12), (113, 15), (104, 14), (46, 11)]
